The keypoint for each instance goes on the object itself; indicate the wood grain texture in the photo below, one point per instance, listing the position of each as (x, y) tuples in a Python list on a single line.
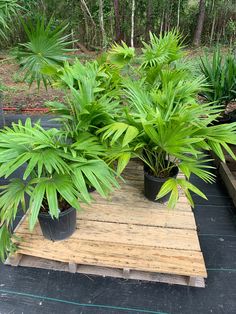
[(126, 234), (136, 235), (158, 217), (180, 262), (31, 261)]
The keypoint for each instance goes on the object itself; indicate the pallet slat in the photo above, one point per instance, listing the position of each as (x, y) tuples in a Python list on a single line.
[(130, 234), (97, 253), (128, 198), (159, 217)]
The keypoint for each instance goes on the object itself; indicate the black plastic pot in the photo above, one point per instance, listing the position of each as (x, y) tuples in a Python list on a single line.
[(91, 189), (222, 120), (58, 229), (152, 185)]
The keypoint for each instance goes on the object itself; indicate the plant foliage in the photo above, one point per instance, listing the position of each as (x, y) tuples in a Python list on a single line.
[(55, 171), (220, 75), (92, 102), (163, 123), (47, 45), (8, 10)]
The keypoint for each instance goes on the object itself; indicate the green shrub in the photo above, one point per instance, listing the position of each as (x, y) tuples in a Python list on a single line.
[(220, 75)]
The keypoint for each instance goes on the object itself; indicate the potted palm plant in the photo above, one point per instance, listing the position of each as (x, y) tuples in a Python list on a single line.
[(165, 126), (55, 178)]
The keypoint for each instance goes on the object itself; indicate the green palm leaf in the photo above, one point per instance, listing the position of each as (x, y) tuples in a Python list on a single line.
[(47, 45)]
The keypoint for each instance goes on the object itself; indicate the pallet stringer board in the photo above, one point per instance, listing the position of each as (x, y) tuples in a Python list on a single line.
[(30, 261)]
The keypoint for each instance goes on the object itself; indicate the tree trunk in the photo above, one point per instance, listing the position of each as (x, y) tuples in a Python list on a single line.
[(117, 21), (101, 22), (162, 21), (200, 21), (213, 22), (86, 11), (132, 23), (148, 19), (178, 14), (85, 24), (212, 29)]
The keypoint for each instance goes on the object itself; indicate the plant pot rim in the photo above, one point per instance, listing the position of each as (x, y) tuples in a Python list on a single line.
[(174, 172), (61, 214)]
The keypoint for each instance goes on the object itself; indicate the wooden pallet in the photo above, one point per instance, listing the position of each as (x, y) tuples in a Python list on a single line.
[(125, 236)]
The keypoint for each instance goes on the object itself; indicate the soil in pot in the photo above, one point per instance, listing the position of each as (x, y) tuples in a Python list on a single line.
[(58, 229), (152, 184)]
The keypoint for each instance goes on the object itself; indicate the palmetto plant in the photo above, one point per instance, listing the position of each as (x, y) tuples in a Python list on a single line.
[(120, 55), (8, 9), (47, 45), (91, 103), (220, 75), (55, 172), (164, 130), (164, 125), (160, 52)]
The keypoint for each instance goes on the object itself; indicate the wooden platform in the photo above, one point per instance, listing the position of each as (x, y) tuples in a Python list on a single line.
[(125, 236)]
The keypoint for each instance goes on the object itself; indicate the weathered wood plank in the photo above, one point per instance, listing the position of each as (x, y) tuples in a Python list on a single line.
[(14, 259), (128, 198), (159, 216), (181, 262), (31, 261), (130, 234)]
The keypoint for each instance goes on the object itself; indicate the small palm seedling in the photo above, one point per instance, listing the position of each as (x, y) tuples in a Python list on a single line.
[(55, 178)]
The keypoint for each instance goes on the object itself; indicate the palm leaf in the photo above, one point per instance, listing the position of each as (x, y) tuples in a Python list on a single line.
[(47, 45)]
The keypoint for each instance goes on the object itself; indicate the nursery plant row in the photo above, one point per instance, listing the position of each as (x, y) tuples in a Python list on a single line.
[(121, 106)]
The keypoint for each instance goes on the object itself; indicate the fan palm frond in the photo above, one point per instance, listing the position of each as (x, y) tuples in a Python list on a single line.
[(47, 45), (120, 55), (162, 50)]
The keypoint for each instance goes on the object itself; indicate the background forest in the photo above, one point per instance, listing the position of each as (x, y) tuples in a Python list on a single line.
[(97, 23), (38, 32)]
